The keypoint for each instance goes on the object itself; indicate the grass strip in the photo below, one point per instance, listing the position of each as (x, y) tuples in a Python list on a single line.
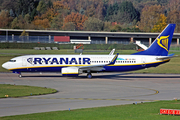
[(141, 111), (23, 90)]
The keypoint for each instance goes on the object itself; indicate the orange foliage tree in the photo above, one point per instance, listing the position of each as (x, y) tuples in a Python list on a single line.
[(161, 24), (174, 17), (149, 17), (77, 19), (57, 5), (45, 19), (174, 13), (5, 19), (44, 23)]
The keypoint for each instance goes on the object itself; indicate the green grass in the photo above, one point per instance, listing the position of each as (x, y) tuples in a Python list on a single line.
[(20, 90), (171, 67), (141, 111)]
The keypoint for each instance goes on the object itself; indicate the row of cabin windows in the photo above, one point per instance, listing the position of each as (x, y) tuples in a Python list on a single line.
[(116, 61)]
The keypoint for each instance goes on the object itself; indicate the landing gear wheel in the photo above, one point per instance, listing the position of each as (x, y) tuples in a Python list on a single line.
[(89, 75), (20, 76)]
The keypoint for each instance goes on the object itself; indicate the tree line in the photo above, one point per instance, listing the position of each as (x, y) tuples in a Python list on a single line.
[(90, 15)]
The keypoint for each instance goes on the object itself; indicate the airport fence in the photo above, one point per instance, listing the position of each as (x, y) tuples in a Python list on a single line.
[(8, 45), (27, 39), (50, 39)]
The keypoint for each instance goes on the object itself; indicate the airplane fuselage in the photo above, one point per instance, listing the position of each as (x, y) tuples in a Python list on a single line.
[(54, 63), (73, 65)]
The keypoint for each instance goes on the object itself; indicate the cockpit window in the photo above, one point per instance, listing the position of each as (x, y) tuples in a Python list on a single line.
[(12, 60)]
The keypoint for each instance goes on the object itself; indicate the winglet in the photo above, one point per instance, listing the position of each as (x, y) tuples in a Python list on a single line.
[(113, 60), (112, 52)]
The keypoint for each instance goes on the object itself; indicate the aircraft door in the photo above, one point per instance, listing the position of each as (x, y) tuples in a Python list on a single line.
[(24, 61), (143, 60)]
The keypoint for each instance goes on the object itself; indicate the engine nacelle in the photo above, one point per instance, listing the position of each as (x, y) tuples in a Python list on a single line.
[(70, 71)]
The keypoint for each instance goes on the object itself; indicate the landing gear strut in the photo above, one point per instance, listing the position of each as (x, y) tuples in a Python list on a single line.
[(89, 75)]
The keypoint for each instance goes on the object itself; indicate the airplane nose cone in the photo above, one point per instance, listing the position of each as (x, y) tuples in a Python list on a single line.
[(5, 65)]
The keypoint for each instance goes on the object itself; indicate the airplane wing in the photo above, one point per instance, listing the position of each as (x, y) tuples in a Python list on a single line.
[(100, 66), (166, 57)]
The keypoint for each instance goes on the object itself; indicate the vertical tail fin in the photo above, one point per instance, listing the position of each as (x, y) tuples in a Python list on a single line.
[(161, 45)]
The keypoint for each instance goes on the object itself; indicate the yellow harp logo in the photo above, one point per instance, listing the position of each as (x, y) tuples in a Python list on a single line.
[(163, 42)]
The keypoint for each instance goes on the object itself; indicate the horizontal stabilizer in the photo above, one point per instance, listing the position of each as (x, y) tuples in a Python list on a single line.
[(166, 57)]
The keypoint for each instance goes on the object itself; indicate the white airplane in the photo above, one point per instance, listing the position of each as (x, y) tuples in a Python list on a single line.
[(73, 65)]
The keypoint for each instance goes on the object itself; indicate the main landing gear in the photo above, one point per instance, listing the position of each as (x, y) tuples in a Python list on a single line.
[(89, 75), (20, 76)]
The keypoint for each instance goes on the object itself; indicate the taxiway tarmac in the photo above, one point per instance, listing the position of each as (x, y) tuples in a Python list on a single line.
[(102, 90)]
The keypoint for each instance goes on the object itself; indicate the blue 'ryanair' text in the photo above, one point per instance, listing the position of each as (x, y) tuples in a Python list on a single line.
[(59, 61)]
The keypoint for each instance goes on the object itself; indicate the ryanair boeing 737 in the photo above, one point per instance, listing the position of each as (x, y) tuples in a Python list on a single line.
[(73, 65)]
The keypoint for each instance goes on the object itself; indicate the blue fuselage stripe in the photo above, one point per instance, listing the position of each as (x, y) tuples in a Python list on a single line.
[(112, 68)]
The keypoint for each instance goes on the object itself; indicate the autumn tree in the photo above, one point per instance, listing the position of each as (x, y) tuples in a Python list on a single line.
[(69, 26), (21, 22), (111, 10), (42, 24), (174, 17), (57, 22), (61, 8), (100, 11), (93, 24), (173, 5), (129, 9), (14, 23), (161, 24), (149, 17), (107, 26), (89, 8), (52, 16), (42, 7), (123, 13), (43, 14), (24, 36), (58, 5), (90, 11), (5, 19), (77, 19), (174, 13), (26, 6), (10, 5)]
